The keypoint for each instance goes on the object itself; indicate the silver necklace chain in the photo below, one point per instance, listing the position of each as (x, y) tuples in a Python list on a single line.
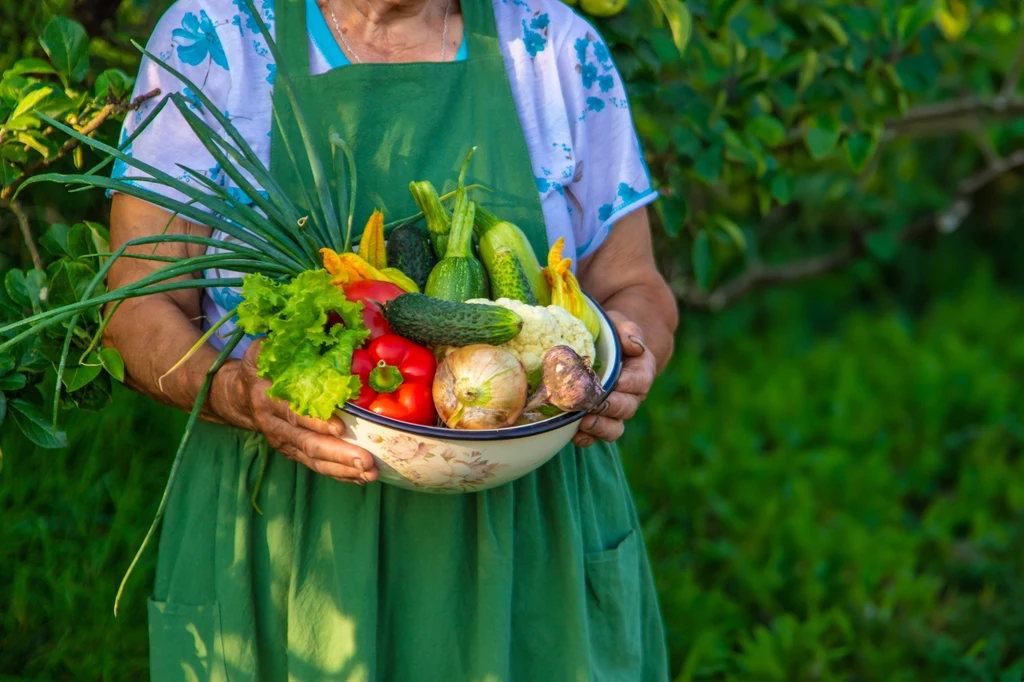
[(348, 48)]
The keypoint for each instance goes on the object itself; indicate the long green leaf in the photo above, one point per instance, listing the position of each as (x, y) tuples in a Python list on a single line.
[(210, 140), (131, 138), (323, 188), (47, 319), (226, 209), (193, 416), (187, 210)]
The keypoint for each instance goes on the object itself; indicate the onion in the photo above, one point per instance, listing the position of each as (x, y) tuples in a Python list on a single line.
[(480, 387)]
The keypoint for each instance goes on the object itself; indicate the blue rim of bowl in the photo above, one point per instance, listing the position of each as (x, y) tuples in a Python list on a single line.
[(511, 432)]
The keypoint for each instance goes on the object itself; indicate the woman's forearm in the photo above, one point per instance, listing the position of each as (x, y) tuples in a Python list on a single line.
[(153, 334)]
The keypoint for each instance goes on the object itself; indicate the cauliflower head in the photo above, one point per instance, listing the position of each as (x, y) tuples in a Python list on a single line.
[(544, 328)]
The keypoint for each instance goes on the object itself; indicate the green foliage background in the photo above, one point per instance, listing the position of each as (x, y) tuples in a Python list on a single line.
[(846, 501)]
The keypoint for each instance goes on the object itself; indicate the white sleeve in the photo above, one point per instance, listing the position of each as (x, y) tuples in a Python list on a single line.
[(187, 39), (611, 177)]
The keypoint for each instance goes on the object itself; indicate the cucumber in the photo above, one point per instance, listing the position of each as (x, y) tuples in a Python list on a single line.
[(508, 280), (494, 234), (431, 321), (409, 250)]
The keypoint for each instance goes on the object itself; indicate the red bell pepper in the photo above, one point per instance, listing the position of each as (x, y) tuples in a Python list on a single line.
[(372, 294), (397, 377)]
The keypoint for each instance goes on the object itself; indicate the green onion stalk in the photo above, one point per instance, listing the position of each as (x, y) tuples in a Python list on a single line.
[(275, 237)]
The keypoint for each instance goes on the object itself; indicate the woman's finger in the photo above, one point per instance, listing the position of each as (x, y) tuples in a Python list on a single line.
[(637, 375), (331, 427), (618, 405), (323, 447), (604, 428), (333, 470), (630, 335)]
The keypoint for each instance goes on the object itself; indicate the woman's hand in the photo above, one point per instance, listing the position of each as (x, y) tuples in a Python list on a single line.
[(309, 441), (639, 368)]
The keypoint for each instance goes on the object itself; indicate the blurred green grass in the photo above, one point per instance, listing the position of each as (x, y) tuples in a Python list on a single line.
[(831, 486)]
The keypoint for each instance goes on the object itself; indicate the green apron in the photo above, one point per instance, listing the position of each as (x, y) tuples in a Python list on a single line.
[(542, 579)]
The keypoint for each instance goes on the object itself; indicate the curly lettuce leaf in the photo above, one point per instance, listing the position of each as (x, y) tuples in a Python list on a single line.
[(307, 366), (316, 384)]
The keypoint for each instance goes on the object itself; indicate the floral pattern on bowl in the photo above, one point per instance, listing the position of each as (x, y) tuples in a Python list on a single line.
[(434, 466)]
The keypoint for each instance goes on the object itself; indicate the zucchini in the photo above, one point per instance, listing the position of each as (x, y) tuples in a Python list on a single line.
[(431, 321), (459, 276), (508, 279), (494, 234), (439, 223), (409, 251)]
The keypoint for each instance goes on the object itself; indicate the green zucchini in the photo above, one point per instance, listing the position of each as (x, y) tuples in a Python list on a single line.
[(439, 223), (494, 234), (431, 321), (508, 279), (409, 250), (459, 276)]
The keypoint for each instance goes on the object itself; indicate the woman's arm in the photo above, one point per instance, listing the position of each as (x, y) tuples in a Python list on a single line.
[(153, 332), (622, 276)]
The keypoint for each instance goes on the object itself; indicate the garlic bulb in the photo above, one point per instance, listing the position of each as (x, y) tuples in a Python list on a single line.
[(480, 387), (569, 382)]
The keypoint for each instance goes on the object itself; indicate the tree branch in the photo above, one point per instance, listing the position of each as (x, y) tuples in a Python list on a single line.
[(26, 233), (759, 275), (112, 108), (952, 115)]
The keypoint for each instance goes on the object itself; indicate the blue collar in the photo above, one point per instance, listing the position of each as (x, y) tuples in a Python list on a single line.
[(327, 45)]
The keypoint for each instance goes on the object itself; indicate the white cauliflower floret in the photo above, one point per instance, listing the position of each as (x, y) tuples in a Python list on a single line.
[(543, 329)]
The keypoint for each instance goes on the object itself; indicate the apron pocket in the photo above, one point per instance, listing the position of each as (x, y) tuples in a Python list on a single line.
[(613, 612), (185, 643)]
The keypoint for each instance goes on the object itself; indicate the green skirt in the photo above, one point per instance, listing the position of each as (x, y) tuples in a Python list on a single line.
[(546, 578)]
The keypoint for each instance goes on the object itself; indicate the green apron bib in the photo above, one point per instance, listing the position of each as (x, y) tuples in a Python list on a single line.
[(542, 579)]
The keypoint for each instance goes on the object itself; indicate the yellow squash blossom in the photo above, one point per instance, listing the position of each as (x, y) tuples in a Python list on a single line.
[(566, 291)]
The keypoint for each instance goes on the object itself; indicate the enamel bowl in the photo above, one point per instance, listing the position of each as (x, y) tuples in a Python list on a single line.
[(438, 460)]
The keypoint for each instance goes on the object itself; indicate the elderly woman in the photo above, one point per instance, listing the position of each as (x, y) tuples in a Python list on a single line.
[(340, 578)]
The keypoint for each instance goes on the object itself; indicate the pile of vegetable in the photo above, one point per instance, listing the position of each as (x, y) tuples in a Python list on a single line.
[(449, 321), (475, 350)]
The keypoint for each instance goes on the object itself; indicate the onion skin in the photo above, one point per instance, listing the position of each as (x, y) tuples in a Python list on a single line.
[(480, 387)]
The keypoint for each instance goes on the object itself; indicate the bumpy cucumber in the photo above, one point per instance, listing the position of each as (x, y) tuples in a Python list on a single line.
[(432, 321), (495, 234), (508, 280), (409, 251)]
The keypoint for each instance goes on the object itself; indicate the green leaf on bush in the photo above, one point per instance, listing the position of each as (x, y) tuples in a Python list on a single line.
[(67, 46), (860, 147), (882, 244), (68, 281), (30, 65), (912, 19), (112, 362), (115, 82), (3, 413), (830, 24), (686, 140), (808, 70), (731, 231), (55, 239), (26, 289), (12, 382), (77, 377), (708, 164), (35, 426), (822, 136), (8, 173), (673, 211), (768, 129), (782, 188), (702, 260), (679, 21)]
